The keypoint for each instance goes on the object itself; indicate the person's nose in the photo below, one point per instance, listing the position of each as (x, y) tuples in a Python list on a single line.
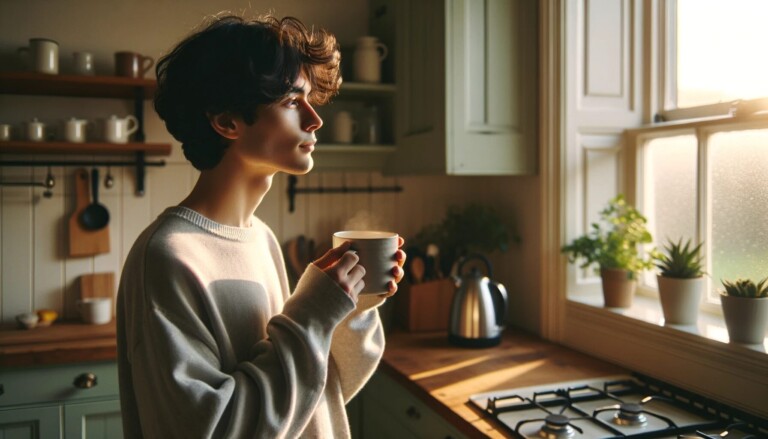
[(311, 121)]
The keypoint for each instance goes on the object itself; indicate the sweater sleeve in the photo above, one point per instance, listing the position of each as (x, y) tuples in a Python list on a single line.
[(180, 388), (358, 345)]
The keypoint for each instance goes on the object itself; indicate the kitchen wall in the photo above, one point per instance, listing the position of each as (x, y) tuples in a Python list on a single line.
[(35, 271)]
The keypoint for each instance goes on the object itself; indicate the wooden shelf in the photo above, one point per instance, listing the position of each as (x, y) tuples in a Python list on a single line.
[(344, 157), (32, 83), (21, 147), (357, 89)]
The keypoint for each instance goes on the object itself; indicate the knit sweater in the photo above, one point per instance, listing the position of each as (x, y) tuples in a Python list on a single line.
[(211, 343)]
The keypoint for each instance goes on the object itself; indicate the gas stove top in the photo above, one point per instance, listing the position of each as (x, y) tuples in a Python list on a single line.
[(615, 407)]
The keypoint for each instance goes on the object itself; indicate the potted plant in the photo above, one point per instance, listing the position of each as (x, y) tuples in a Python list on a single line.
[(613, 247), (745, 308), (681, 281)]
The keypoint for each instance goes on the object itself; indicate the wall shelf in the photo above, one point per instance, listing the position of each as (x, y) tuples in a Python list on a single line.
[(112, 87), (345, 157), (90, 148)]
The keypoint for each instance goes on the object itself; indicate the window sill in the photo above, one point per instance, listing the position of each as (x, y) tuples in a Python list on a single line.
[(648, 309), (697, 358)]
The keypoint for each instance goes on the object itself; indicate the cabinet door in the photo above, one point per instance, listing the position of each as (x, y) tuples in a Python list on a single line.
[(492, 86), (30, 423), (420, 66), (93, 420)]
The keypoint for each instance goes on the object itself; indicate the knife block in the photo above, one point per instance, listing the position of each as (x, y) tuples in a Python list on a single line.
[(425, 306)]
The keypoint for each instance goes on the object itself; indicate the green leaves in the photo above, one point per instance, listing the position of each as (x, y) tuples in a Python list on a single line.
[(680, 261), (615, 241), (746, 288)]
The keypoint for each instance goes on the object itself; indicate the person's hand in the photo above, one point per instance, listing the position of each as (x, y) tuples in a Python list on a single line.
[(342, 266), (397, 271)]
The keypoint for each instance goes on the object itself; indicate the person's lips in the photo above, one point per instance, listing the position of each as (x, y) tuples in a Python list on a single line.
[(308, 146)]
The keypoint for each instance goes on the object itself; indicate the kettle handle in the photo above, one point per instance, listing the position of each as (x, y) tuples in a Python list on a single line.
[(500, 303), (474, 256)]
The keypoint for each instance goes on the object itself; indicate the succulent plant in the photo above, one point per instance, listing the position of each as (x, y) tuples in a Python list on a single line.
[(745, 288), (615, 241), (680, 261)]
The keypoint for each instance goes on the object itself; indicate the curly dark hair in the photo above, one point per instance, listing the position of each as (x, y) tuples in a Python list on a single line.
[(234, 65)]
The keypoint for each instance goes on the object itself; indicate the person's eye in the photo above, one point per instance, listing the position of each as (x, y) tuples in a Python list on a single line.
[(292, 102)]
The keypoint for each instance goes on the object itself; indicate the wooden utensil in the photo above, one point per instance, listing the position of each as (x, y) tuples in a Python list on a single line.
[(83, 242), (98, 285)]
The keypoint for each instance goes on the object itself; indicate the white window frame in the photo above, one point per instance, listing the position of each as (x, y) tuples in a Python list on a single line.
[(636, 339)]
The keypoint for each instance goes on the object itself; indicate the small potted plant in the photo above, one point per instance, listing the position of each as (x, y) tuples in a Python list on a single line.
[(613, 247), (681, 281), (745, 308)]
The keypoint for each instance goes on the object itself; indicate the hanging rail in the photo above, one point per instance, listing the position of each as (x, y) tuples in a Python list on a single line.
[(344, 189), (139, 163)]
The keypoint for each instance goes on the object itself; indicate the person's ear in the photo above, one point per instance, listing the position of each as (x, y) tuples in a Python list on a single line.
[(225, 124)]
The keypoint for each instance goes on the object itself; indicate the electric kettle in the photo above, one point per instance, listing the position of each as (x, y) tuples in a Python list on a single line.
[(479, 307)]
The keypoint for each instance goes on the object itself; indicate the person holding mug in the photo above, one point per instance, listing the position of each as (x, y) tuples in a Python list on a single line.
[(211, 341)]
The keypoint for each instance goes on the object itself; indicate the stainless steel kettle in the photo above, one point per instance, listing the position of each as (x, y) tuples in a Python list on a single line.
[(479, 307)]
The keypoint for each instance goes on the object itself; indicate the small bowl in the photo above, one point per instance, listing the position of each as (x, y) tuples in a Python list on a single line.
[(46, 317), (27, 320)]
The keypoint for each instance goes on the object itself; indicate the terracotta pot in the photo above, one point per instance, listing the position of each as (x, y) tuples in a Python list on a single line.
[(618, 287), (746, 318), (680, 299)]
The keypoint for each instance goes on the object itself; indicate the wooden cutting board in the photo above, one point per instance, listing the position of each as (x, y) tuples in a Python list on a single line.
[(98, 285), (84, 242)]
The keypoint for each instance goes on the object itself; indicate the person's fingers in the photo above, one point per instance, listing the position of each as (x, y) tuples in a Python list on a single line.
[(400, 257), (400, 241), (331, 256), (398, 272), (392, 287)]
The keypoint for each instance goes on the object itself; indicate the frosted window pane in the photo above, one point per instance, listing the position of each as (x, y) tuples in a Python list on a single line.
[(739, 162), (670, 203), (720, 51)]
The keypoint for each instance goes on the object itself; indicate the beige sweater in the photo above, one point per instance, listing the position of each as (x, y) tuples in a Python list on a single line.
[(211, 343)]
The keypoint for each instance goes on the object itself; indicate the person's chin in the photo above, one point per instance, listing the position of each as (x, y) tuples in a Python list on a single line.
[(301, 168)]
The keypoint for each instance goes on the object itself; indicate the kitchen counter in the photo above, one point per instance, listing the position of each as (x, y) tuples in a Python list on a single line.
[(62, 342), (444, 376)]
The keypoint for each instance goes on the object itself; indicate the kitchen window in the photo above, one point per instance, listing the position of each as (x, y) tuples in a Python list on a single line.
[(622, 115), (703, 176)]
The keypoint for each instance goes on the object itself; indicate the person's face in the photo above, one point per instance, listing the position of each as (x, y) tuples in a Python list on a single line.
[(283, 136)]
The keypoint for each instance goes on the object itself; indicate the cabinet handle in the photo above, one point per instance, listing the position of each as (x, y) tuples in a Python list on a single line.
[(86, 381), (413, 413)]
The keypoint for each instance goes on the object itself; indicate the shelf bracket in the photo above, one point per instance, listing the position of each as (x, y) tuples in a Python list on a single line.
[(293, 190)]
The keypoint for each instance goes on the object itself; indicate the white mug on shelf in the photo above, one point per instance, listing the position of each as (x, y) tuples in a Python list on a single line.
[(117, 130), (344, 127), (35, 131), (5, 131), (75, 130)]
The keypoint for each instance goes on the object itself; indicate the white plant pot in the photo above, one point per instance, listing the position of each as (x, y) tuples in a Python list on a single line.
[(680, 299), (746, 318)]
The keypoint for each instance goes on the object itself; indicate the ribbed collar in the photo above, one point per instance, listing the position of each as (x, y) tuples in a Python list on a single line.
[(242, 234)]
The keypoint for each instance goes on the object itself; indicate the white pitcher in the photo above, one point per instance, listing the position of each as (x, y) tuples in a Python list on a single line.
[(369, 53), (74, 130), (117, 130)]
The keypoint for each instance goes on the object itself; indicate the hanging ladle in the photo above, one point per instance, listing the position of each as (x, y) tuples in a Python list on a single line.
[(95, 216)]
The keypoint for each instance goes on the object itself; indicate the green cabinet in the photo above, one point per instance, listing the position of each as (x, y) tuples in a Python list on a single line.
[(388, 410), (69, 401), (467, 87)]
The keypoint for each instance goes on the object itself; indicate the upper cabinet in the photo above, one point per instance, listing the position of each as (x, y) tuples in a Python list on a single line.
[(467, 87)]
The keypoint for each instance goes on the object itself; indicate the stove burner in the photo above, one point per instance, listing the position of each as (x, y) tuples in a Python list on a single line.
[(557, 427), (630, 414)]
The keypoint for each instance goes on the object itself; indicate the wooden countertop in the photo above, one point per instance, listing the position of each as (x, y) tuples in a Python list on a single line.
[(62, 342), (444, 376)]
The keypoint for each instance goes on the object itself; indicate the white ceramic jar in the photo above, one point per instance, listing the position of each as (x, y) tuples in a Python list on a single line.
[(369, 53)]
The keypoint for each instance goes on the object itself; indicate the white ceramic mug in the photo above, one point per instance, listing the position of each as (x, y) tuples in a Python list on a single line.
[(35, 130), (117, 130), (95, 310), (5, 131), (376, 251), (44, 54), (83, 63), (369, 53), (75, 130), (344, 127)]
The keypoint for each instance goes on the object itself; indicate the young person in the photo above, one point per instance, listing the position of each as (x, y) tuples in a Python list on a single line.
[(211, 342)]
